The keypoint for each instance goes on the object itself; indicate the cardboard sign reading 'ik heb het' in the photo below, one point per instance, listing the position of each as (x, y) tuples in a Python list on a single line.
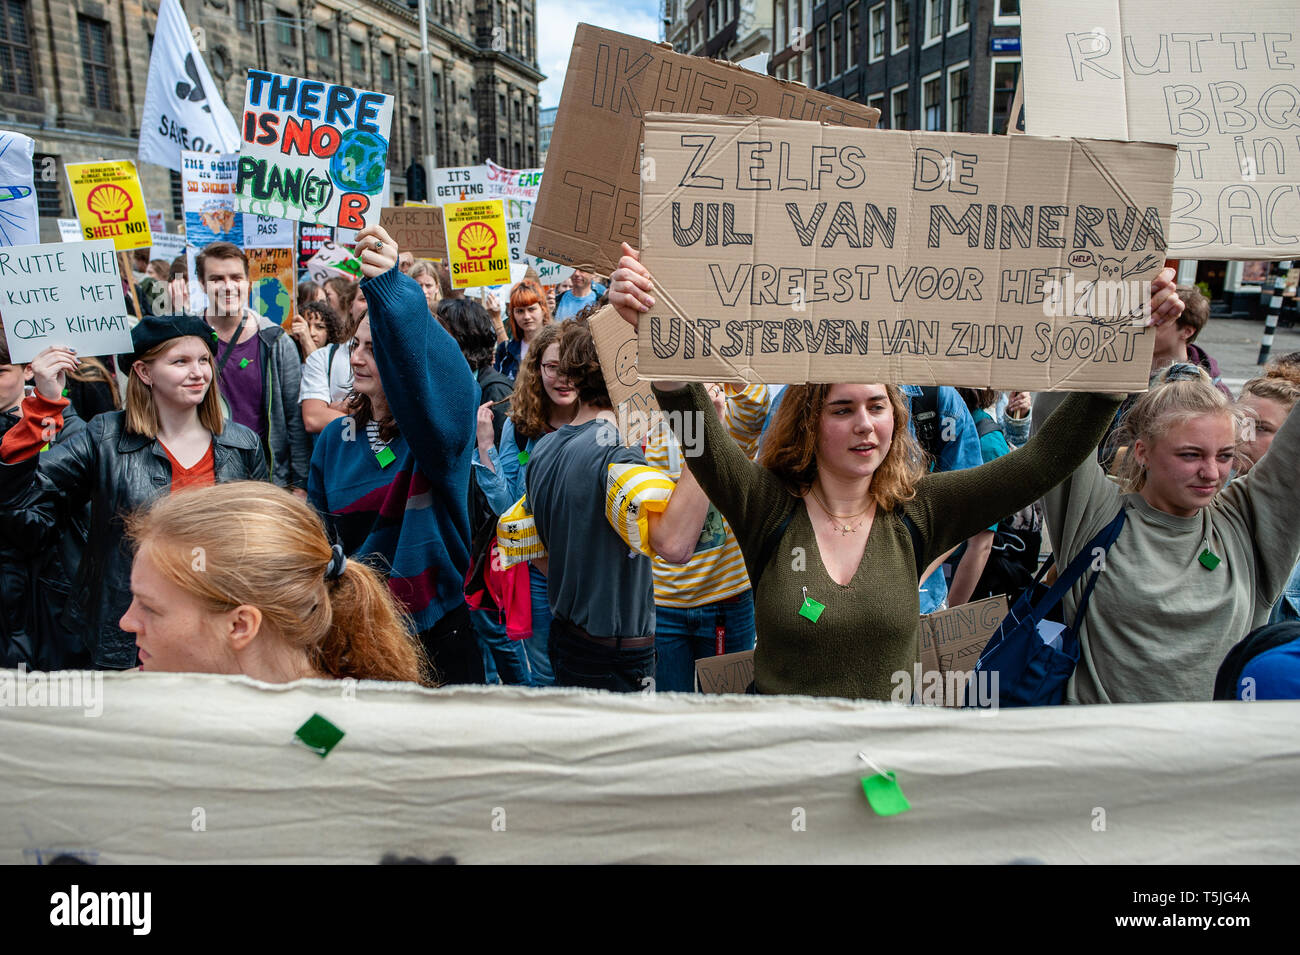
[(589, 199), (1217, 80), (416, 229), (633, 401), (786, 251), (313, 151), (477, 247), (63, 294)]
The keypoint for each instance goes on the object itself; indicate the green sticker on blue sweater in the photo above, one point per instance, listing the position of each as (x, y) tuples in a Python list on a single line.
[(522, 457), (385, 457)]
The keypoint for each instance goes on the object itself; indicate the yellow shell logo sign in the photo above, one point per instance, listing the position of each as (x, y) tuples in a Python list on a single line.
[(476, 240), (110, 202)]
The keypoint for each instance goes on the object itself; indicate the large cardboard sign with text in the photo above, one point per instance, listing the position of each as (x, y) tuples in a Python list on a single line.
[(786, 251), (633, 401), (589, 201), (416, 229), (1218, 80)]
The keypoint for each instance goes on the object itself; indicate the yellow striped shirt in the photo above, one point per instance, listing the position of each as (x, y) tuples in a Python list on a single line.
[(716, 571)]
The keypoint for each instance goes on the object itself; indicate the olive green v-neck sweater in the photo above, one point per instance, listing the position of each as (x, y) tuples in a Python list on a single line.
[(869, 629)]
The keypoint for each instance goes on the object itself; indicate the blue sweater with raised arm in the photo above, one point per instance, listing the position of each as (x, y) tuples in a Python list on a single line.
[(409, 518)]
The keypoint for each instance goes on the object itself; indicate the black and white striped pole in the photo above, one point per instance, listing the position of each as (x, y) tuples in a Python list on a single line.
[(1280, 270)]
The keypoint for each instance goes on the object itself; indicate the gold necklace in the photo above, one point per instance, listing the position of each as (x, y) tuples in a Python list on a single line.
[(844, 529)]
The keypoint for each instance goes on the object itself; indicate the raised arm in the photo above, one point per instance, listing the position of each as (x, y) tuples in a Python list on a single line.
[(955, 505), (426, 379), (33, 492)]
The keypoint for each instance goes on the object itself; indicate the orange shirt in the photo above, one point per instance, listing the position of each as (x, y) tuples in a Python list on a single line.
[(203, 474)]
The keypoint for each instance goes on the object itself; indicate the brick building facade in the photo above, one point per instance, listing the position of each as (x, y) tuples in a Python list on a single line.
[(73, 76)]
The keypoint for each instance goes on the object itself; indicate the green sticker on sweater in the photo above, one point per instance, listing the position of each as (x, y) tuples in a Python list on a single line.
[(385, 457), (1208, 560), (811, 609), (884, 794), (319, 735), (522, 457), (244, 363)]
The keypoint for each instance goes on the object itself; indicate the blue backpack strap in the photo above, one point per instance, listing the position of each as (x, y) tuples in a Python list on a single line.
[(1108, 535)]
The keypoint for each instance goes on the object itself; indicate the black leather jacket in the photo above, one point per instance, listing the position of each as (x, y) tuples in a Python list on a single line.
[(117, 472)]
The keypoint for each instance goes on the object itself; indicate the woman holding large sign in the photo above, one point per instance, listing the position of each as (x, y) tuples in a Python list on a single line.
[(170, 435), (838, 521)]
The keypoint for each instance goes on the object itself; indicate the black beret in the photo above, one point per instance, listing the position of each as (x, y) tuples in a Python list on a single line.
[(153, 330)]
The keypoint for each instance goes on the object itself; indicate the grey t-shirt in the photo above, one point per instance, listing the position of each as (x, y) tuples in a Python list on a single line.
[(593, 579)]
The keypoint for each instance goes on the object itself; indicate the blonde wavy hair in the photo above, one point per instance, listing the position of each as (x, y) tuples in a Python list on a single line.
[(1180, 392), (263, 547), (790, 447)]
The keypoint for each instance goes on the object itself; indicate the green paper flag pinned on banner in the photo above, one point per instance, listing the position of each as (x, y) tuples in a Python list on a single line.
[(884, 795), (319, 735)]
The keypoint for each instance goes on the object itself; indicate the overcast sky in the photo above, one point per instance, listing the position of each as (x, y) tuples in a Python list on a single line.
[(558, 19)]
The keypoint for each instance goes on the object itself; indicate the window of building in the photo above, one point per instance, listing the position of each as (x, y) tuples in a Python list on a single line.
[(959, 98), (960, 15), (49, 197), (1006, 11), (242, 21), (837, 45), (902, 24), (96, 62), (932, 102), (284, 27), (933, 21), (898, 108), (876, 22), (1006, 73), (15, 50), (324, 43), (851, 54), (386, 67), (779, 29), (878, 101), (178, 196), (356, 55), (823, 55), (412, 76)]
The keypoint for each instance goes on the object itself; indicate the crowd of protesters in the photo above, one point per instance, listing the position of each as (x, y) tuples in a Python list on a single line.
[(398, 484)]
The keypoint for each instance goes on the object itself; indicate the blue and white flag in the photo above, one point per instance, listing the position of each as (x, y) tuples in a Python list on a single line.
[(19, 222)]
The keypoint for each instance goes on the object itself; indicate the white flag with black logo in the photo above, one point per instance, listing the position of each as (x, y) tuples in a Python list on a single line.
[(19, 224), (182, 108)]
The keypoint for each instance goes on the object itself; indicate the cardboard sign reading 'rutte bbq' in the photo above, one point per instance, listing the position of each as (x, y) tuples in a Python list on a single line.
[(1218, 80), (786, 251), (590, 196)]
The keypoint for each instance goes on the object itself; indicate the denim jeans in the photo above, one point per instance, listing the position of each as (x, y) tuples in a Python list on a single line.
[(579, 662), (538, 646), (685, 634), (504, 660)]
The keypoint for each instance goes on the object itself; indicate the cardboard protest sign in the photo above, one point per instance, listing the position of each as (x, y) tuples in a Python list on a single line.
[(313, 151), (788, 252), (638, 411), (476, 243), (311, 239), (332, 261), (19, 214), (268, 232), (1218, 81), (459, 184), (109, 203), (517, 227), (417, 229), (167, 246), (505, 183), (70, 230), (271, 284), (725, 673), (61, 294), (208, 187), (590, 202), (951, 642)]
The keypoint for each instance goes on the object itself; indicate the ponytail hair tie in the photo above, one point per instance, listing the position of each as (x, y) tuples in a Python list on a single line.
[(337, 563)]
